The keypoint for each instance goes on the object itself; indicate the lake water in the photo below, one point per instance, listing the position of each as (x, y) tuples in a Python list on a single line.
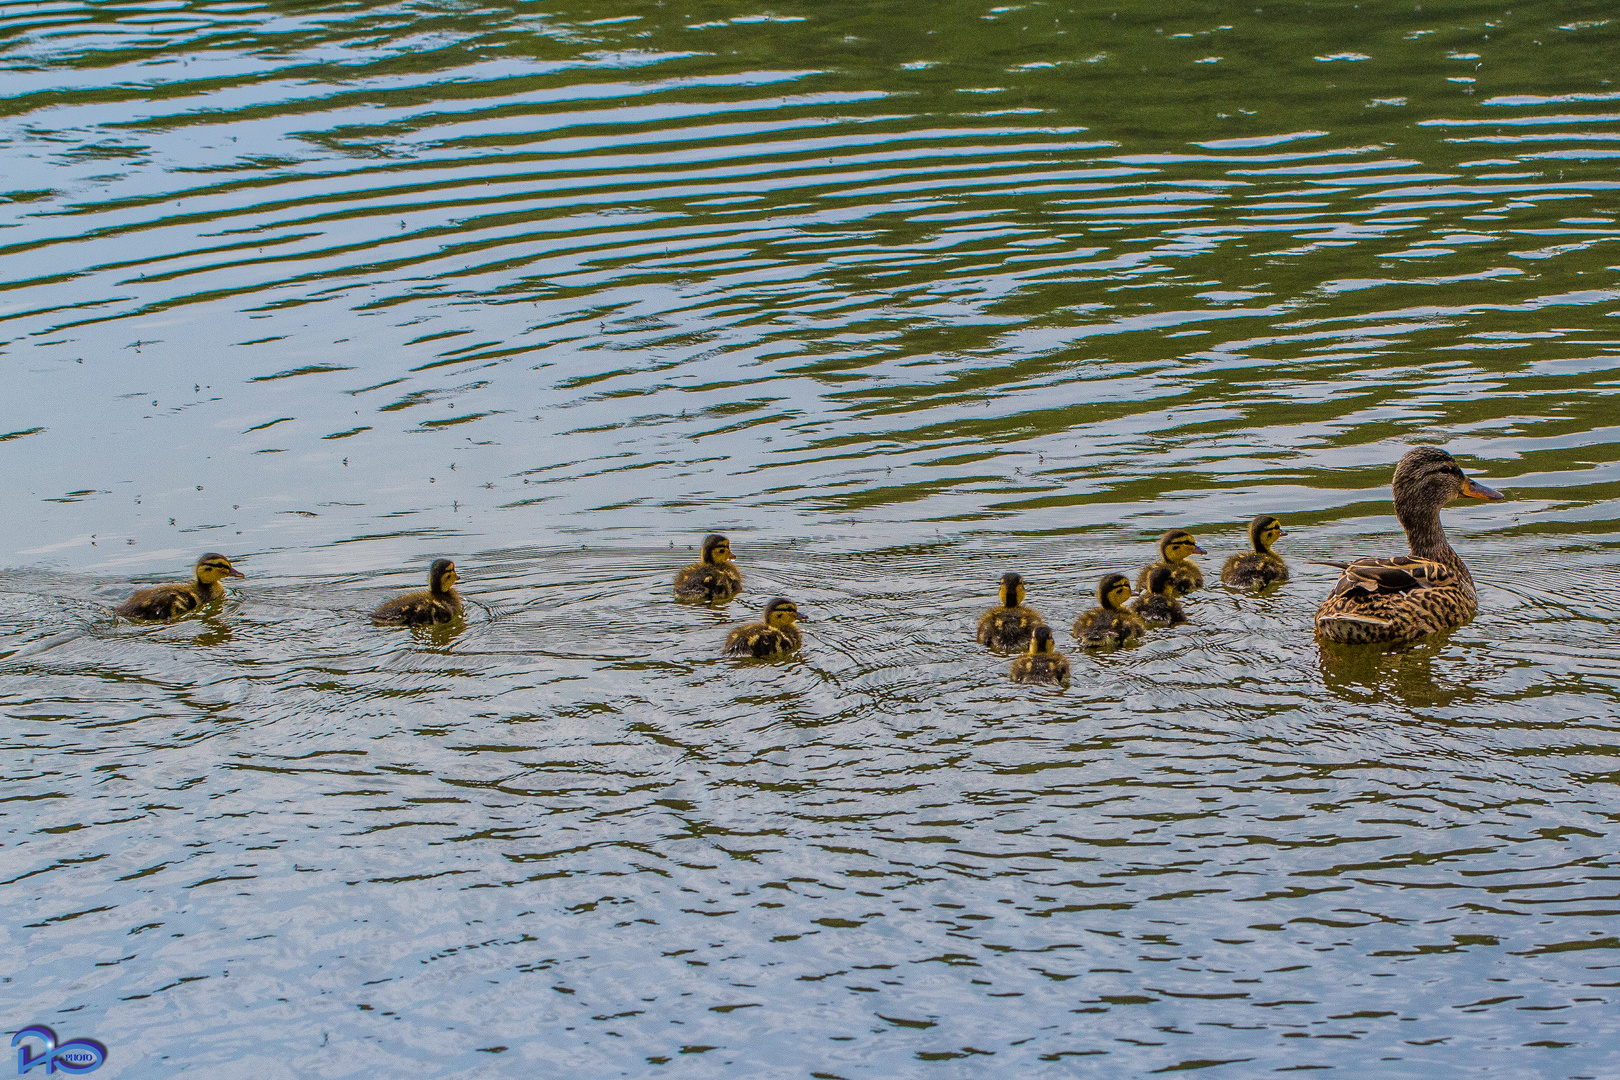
[(899, 297)]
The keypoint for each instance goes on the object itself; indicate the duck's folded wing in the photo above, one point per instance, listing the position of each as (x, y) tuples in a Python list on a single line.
[(1400, 574)]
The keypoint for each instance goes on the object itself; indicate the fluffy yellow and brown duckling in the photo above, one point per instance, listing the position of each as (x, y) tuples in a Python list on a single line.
[(1010, 625), (1262, 566), (1043, 663), (1109, 623), (775, 636), (714, 578), (440, 604), (1174, 547), (174, 600), (1161, 606), (1400, 599)]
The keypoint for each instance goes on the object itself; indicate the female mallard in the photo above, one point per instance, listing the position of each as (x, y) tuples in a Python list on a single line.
[(776, 636), (1174, 547), (172, 601), (440, 604), (714, 578), (1043, 663), (1262, 566), (1010, 625), (1161, 606), (1405, 597), (1109, 624)]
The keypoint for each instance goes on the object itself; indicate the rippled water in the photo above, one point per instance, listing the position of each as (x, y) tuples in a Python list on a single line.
[(900, 297)]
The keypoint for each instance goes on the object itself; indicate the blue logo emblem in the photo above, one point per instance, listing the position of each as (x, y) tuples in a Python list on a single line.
[(78, 1056)]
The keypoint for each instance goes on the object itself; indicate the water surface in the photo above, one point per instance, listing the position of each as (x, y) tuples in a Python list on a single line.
[(899, 299)]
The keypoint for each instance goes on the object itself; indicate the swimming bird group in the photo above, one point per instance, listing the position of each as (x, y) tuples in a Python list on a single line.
[(1390, 600)]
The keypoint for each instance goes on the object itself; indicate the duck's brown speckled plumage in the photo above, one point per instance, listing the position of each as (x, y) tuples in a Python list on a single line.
[(1042, 663), (775, 636), (714, 578), (1161, 606), (1401, 599), (1174, 547), (1261, 567), (439, 604), (1109, 624), (165, 602), (1009, 626)]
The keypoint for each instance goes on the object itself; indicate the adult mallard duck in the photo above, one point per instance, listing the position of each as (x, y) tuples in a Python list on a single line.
[(714, 578), (440, 604), (1262, 566), (172, 601), (1010, 625), (1174, 547), (1161, 606), (1109, 624), (775, 636), (1401, 599), (1043, 663)]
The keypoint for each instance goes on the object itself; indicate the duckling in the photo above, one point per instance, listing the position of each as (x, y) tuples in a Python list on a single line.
[(172, 601), (1010, 625), (1161, 606), (1402, 598), (1109, 624), (776, 636), (1174, 547), (1262, 566), (1043, 663), (714, 578), (440, 604)]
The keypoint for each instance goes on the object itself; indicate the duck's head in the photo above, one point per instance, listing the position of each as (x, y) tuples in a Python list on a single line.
[(716, 549), (1041, 641), (441, 576), (1012, 590), (1113, 590), (1427, 478), (1177, 544), (1264, 531), (1162, 580), (213, 566), (781, 613)]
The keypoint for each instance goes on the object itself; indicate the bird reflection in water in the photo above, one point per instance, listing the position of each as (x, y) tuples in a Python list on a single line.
[(214, 631), (1371, 674)]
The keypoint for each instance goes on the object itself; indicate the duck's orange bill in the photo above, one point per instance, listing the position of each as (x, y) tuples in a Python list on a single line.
[(1475, 490)]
